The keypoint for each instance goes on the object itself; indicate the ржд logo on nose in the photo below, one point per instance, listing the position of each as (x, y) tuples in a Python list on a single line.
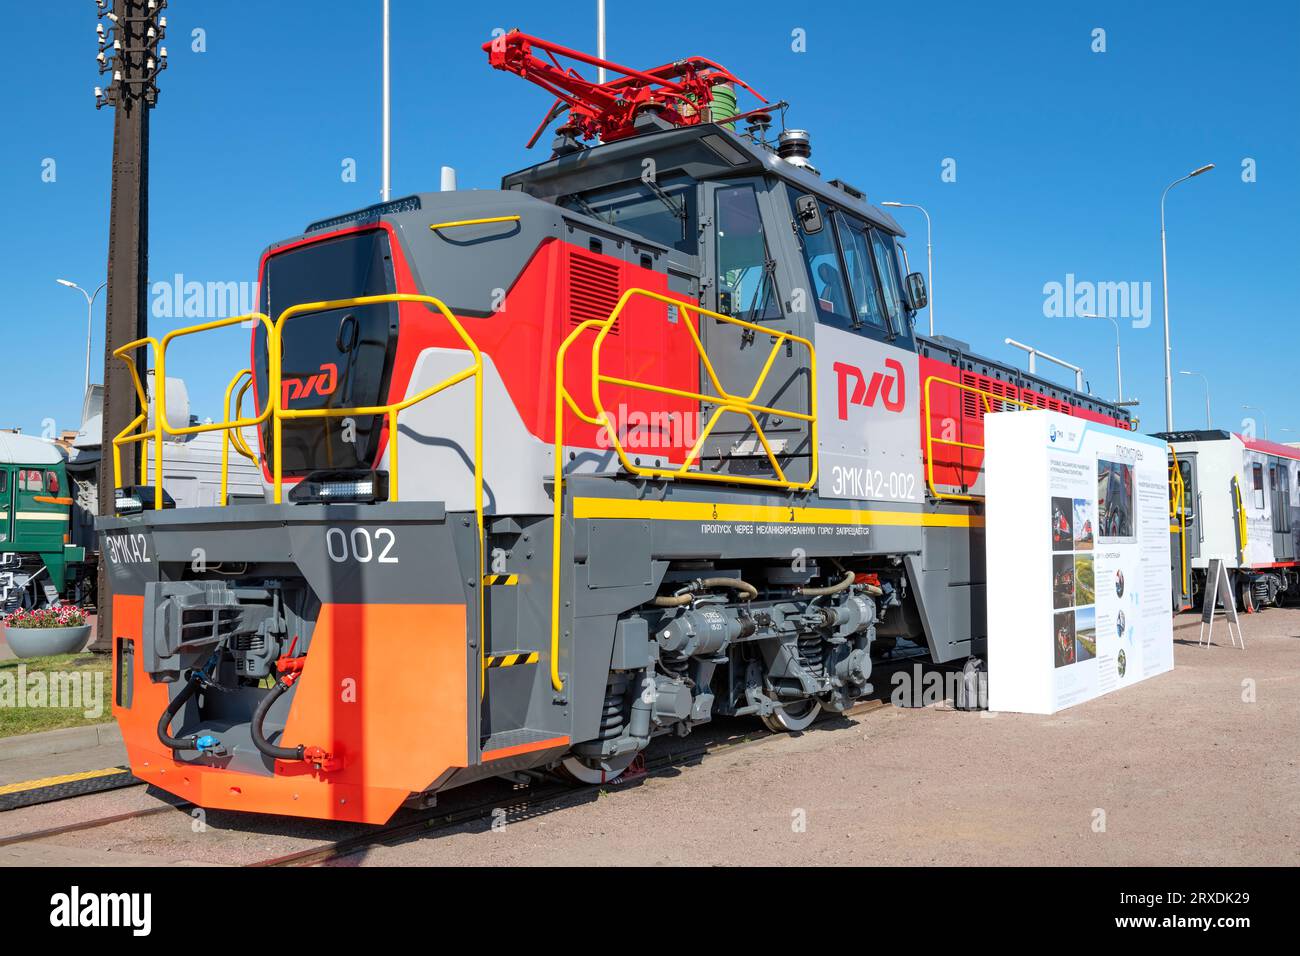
[(892, 389), (324, 382)]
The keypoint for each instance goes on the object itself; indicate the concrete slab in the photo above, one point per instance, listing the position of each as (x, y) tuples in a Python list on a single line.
[(55, 752)]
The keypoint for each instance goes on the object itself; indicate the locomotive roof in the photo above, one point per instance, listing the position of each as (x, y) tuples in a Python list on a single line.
[(705, 151), (16, 449)]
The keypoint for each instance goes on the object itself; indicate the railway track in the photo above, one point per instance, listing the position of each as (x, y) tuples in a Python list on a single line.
[(417, 823)]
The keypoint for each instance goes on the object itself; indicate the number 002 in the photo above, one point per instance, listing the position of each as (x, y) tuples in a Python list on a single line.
[(362, 545)]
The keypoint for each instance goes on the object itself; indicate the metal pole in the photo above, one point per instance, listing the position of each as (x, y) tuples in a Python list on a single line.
[(1256, 408), (929, 253), (1164, 272), (384, 189), (1206, 380), (1119, 368), (90, 313), (138, 28), (600, 39)]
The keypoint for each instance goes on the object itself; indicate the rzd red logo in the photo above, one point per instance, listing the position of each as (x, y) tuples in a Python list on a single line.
[(891, 389), (323, 383)]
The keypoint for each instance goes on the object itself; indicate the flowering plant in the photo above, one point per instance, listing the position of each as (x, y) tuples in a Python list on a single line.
[(59, 616)]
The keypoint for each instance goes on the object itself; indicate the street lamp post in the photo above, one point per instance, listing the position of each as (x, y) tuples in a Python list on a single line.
[(1164, 271), (384, 186), (1207, 396), (1119, 367), (929, 253), (1256, 408), (90, 306)]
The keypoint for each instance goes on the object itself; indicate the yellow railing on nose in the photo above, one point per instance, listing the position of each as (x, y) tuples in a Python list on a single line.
[(138, 431)]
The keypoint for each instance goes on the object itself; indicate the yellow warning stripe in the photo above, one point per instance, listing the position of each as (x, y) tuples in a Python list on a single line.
[(55, 781), (512, 660), (774, 514), (500, 580)]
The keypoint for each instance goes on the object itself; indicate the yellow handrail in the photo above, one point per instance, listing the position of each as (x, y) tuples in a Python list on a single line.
[(128, 435), (930, 440), (275, 411), (456, 224), (231, 436), (1178, 510), (1241, 518), (726, 402)]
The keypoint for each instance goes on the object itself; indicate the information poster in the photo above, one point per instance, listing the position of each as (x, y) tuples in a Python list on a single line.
[(1077, 540)]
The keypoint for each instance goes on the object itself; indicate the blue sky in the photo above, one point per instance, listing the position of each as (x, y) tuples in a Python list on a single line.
[(1061, 154)]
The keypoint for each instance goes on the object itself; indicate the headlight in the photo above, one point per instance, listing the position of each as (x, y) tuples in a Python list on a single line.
[(353, 487)]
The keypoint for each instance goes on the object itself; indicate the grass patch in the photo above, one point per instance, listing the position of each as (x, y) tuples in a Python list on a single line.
[(48, 693)]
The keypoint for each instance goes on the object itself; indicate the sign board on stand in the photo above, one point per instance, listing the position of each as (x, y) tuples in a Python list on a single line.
[(1216, 583), (1077, 547)]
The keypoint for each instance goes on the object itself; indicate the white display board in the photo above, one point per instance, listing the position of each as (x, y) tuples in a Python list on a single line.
[(1077, 543)]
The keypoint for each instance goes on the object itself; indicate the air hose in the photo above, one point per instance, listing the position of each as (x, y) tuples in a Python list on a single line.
[(202, 677), (174, 708), (290, 669), (840, 585), (259, 738), (683, 597)]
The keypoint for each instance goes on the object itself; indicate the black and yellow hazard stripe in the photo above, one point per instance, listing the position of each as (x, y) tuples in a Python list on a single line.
[(513, 659), (500, 580)]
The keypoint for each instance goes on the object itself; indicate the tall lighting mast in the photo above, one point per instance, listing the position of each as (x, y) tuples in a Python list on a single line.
[(130, 34)]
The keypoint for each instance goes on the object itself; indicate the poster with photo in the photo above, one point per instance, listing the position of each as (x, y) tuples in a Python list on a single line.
[(1077, 549)]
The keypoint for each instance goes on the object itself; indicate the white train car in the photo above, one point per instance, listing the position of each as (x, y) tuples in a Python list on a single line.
[(1240, 502)]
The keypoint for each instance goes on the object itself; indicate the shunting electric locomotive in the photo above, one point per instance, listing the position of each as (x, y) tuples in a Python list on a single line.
[(644, 437)]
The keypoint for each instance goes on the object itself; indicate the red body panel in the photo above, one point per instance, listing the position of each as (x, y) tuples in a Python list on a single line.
[(561, 286), (958, 415)]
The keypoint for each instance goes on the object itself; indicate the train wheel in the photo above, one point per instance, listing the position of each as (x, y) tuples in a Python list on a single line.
[(793, 717), (595, 772)]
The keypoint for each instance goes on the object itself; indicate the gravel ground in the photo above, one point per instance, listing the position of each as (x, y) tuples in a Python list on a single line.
[(1183, 769)]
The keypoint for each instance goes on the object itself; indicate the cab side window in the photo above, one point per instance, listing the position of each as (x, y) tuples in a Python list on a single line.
[(862, 274), (30, 481), (51, 482), (887, 263), (745, 286), (829, 291), (4, 485)]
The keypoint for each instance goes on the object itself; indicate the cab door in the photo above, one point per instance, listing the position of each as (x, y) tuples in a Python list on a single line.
[(747, 280), (1279, 472), (6, 510)]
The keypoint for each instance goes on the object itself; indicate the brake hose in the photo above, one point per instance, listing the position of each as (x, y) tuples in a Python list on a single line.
[(259, 738), (290, 668), (198, 678)]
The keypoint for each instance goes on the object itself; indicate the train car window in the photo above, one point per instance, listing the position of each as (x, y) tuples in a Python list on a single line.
[(826, 270), (745, 284), (51, 482), (666, 212), (4, 483), (1257, 484), (31, 481), (862, 274), (1186, 468)]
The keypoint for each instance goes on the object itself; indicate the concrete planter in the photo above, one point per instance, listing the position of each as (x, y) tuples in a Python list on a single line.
[(46, 641)]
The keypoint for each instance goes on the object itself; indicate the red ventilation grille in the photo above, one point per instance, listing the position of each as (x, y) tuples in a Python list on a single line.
[(972, 405), (593, 289)]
